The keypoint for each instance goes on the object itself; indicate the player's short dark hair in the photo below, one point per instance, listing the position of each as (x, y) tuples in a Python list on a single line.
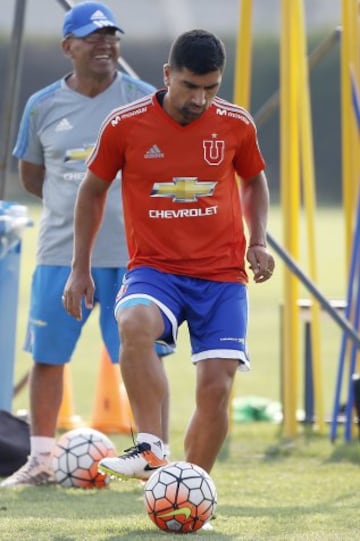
[(198, 51)]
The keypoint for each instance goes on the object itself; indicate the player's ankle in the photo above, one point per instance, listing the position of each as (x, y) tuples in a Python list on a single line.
[(41, 448)]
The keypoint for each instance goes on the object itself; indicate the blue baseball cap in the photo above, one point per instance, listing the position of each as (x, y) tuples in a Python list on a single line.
[(86, 17)]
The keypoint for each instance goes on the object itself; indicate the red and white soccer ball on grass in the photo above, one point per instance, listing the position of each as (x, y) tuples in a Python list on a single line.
[(76, 456), (180, 497)]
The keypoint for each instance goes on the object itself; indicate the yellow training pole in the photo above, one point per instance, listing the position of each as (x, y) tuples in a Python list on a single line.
[(242, 76), (357, 78), (354, 22), (307, 162), (348, 127), (242, 85), (355, 71), (289, 160)]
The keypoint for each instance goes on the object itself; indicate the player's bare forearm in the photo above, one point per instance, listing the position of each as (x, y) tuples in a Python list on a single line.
[(89, 209), (255, 202)]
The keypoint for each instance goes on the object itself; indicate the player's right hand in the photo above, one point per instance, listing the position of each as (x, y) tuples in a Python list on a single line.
[(78, 286)]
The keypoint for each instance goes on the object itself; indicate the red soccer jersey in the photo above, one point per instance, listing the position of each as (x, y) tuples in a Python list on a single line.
[(180, 196)]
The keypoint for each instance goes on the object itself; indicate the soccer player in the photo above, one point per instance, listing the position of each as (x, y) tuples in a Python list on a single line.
[(57, 133), (180, 151)]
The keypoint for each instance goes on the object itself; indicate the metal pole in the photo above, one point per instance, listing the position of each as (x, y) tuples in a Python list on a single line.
[(308, 379), (11, 91)]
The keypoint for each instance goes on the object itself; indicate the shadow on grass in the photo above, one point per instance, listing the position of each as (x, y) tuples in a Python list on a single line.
[(346, 452), (313, 445)]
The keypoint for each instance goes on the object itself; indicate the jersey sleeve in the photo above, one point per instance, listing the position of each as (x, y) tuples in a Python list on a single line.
[(249, 160), (28, 145), (107, 157)]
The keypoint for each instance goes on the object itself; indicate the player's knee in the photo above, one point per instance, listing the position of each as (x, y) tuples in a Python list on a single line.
[(129, 326), (134, 325)]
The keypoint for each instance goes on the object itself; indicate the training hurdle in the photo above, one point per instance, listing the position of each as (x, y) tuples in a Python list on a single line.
[(352, 313), (350, 130), (335, 314), (297, 164)]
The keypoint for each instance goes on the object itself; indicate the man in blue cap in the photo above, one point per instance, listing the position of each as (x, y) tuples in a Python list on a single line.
[(58, 130)]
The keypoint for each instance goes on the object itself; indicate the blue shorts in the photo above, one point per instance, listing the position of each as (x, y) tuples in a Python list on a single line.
[(216, 312), (52, 333)]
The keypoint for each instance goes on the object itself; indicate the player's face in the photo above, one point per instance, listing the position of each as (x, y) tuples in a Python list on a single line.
[(95, 54), (189, 95)]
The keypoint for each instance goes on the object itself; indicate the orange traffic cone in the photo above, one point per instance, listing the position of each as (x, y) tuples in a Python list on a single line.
[(67, 420), (112, 411)]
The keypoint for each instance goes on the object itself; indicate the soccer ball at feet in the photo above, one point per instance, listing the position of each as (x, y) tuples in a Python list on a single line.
[(180, 497), (76, 456)]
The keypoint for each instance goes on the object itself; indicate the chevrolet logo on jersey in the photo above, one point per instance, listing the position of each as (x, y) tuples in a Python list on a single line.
[(78, 154), (184, 189)]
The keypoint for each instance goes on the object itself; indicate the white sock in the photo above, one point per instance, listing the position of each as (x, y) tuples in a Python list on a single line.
[(41, 447), (157, 445)]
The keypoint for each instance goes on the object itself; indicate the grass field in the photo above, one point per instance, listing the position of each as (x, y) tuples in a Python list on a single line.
[(269, 488)]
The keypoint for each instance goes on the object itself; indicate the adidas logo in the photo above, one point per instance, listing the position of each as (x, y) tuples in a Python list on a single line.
[(98, 14), (154, 152), (63, 125), (100, 19)]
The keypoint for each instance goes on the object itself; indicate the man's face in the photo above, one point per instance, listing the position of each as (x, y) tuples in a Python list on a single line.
[(189, 95), (97, 53)]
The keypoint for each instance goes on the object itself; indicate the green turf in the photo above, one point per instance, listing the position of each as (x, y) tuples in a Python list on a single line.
[(269, 488)]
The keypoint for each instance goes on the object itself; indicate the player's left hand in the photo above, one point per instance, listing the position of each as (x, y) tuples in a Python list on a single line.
[(261, 262)]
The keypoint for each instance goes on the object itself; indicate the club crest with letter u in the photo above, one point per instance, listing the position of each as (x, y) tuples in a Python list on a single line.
[(213, 151)]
